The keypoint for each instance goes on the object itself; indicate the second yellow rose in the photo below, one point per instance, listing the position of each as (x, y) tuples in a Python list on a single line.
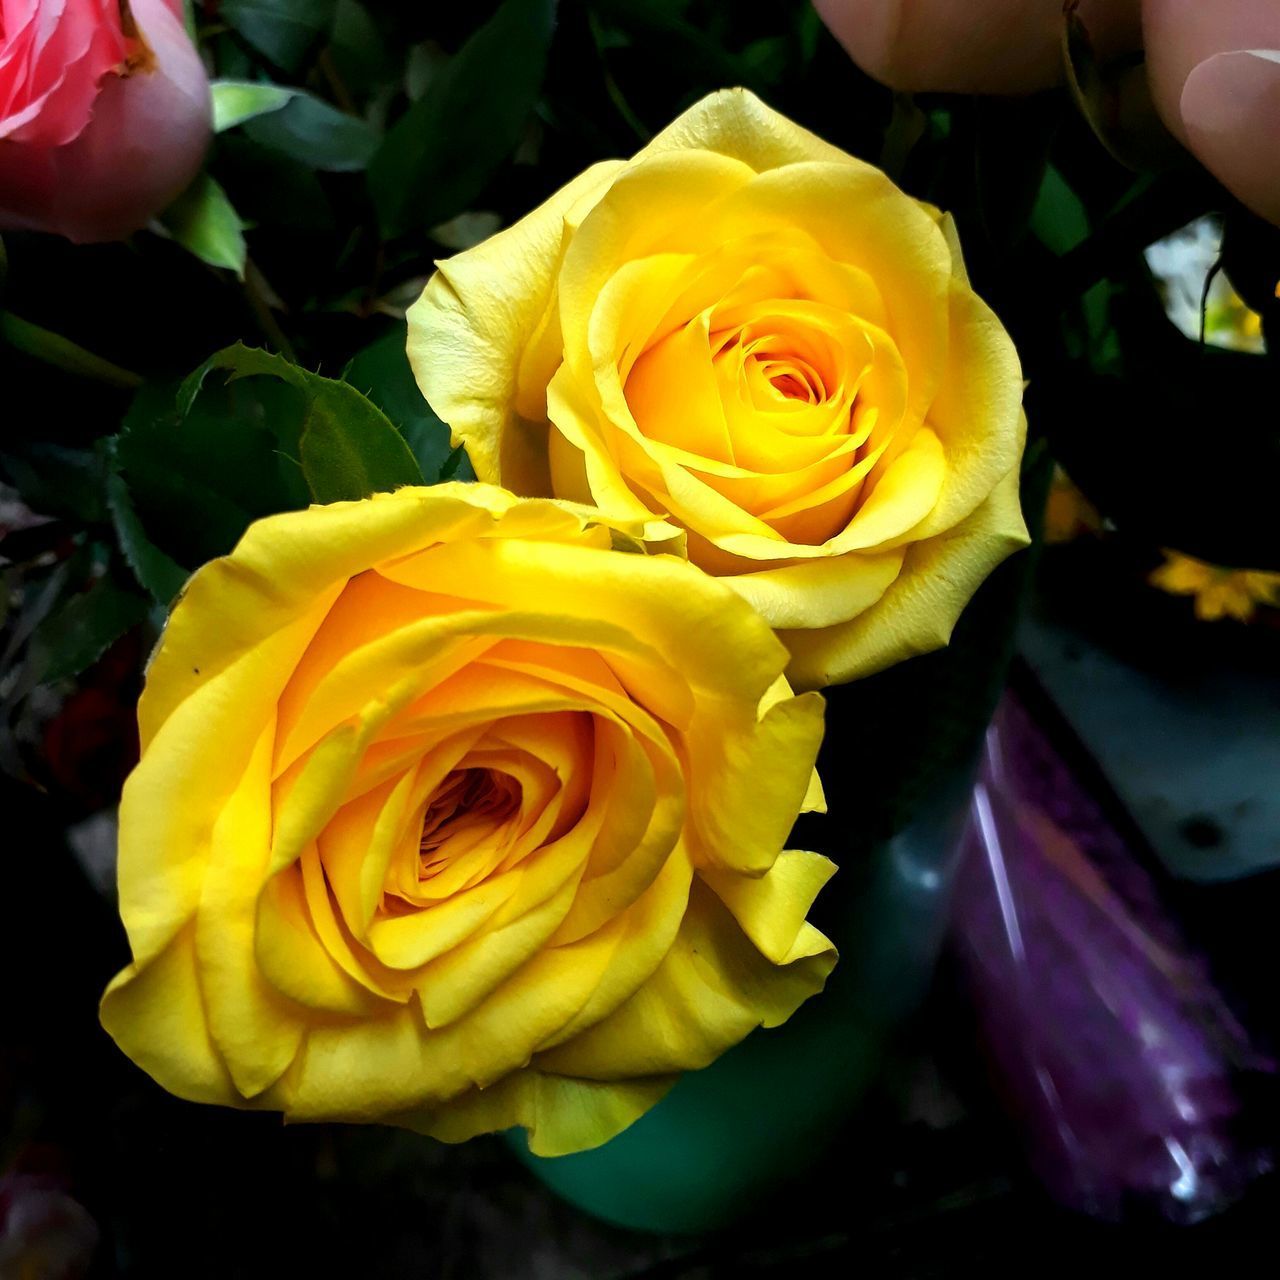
[(763, 347)]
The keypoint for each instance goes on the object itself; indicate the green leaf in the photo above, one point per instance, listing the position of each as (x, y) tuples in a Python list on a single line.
[(907, 125), (358, 49), (197, 478), (347, 447), (72, 639), (1150, 209), (1058, 218), (766, 59), (282, 30), (439, 155), (233, 59), (340, 463), (316, 134), (457, 466), (235, 101), (204, 222), (53, 349), (272, 189), (156, 572), (56, 481), (691, 53), (382, 372), (1011, 151)]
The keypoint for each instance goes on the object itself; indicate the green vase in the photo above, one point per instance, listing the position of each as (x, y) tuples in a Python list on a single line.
[(726, 1135)]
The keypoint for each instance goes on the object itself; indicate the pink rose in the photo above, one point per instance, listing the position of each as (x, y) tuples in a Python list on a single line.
[(104, 114)]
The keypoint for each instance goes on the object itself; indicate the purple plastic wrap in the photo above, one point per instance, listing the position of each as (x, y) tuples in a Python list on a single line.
[(44, 1233), (1108, 1041)]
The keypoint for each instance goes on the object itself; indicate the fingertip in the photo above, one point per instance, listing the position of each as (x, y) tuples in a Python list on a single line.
[(1230, 109), (868, 30), (957, 46)]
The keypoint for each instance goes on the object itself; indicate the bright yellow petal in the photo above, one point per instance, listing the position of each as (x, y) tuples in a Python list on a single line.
[(860, 218), (918, 612), (375, 1066), (772, 908), (662, 603), (469, 332), (289, 565), (713, 987), (818, 593), (561, 1114), (156, 1015), (904, 495), (364, 1068), (455, 983), (750, 784), (294, 959), (583, 466), (652, 206), (174, 796), (977, 413), (256, 1030), (736, 123)]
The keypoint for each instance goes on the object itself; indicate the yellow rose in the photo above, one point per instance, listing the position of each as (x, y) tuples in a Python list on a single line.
[(452, 817), (753, 334)]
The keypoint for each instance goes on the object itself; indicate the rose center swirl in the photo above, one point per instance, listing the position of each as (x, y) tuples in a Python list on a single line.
[(470, 802), (776, 403)]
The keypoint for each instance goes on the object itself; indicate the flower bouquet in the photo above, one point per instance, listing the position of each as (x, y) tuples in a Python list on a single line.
[(562, 706)]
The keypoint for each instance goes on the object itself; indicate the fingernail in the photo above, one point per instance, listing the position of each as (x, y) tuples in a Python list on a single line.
[(1230, 107)]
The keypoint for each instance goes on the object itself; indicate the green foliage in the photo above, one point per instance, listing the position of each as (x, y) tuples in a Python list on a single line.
[(77, 634), (359, 52), (438, 156), (203, 221), (346, 447), (382, 371), (273, 189), (283, 30), (55, 480), (1058, 218), (198, 475), (235, 101), (158, 574), (315, 134)]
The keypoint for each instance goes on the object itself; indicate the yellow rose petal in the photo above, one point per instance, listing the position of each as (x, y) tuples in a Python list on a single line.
[(686, 1015), (922, 605), (561, 1114), (468, 332)]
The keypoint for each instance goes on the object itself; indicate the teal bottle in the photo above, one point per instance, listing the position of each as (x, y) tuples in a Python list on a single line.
[(726, 1135)]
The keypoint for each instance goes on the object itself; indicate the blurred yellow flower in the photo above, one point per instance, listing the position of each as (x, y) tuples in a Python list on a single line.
[(1068, 513), (1218, 592)]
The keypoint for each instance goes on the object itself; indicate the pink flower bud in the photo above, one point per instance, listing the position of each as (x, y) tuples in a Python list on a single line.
[(104, 114)]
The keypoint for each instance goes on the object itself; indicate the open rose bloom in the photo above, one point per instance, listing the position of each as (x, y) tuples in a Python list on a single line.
[(104, 114), (450, 815), (761, 346)]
